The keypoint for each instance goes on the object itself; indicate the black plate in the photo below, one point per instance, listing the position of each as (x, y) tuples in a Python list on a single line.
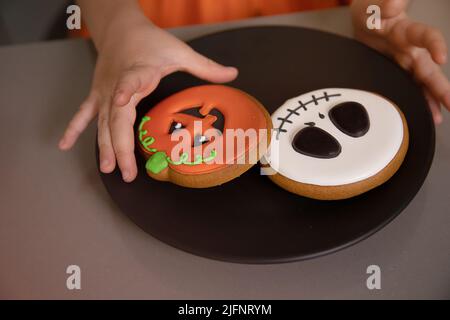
[(251, 220)]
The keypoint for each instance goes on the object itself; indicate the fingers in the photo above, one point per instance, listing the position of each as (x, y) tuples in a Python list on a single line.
[(208, 70), (434, 106), (122, 134), (106, 150), (391, 8), (407, 34), (79, 122), (423, 36), (132, 86), (116, 119), (135, 81), (397, 37), (433, 78), (439, 86)]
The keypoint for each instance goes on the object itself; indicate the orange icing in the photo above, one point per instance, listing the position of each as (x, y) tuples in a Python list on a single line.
[(240, 111)]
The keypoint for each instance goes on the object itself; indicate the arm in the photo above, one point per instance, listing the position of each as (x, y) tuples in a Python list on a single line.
[(133, 56), (416, 47)]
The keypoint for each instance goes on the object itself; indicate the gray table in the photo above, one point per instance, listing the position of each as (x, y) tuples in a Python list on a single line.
[(55, 212)]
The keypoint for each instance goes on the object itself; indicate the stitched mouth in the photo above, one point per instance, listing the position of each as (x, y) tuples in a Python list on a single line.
[(303, 106)]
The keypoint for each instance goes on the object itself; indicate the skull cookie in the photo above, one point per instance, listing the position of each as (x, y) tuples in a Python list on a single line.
[(204, 136), (335, 144)]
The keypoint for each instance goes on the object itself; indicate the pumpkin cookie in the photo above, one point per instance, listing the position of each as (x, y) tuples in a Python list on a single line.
[(204, 136)]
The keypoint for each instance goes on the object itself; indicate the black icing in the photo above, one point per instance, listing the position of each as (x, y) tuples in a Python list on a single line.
[(198, 140), (351, 118), (296, 111), (317, 143), (219, 124), (173, 126), (195, 112)]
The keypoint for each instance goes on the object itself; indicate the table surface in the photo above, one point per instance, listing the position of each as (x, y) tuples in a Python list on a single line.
[(55, 211)]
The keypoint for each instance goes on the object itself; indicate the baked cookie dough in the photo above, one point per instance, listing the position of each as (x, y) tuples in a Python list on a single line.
[(334, 144), (204, 136)]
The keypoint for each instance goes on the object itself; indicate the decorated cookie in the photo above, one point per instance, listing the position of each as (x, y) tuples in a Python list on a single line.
[(204, 136), (335, 144)]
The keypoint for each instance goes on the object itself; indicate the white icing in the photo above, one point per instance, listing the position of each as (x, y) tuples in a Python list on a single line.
[(361, 158)]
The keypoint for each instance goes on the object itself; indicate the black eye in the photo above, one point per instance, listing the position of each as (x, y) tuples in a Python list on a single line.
[(219, 124), (199, 140), (175, 126), (195, 112), (351, 118), (317, 143)]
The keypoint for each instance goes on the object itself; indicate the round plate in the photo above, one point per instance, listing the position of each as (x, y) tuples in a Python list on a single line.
[(250, 219)]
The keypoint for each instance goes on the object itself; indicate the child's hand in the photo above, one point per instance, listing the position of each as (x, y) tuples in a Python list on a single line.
[(129, 67), (418, 48)]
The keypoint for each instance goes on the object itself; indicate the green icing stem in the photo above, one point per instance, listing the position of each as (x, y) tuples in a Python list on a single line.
[(156, 163)]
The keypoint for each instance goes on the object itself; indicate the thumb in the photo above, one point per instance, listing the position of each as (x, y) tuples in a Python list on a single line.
[(209, 70)]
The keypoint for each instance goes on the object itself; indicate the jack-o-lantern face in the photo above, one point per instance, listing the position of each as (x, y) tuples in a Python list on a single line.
[(187, 131)]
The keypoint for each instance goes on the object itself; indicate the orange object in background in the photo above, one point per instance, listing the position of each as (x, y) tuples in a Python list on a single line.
[(176, 13)]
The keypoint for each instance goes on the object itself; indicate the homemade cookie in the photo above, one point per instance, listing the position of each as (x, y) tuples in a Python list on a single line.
[(204, 136), (334, 144)]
